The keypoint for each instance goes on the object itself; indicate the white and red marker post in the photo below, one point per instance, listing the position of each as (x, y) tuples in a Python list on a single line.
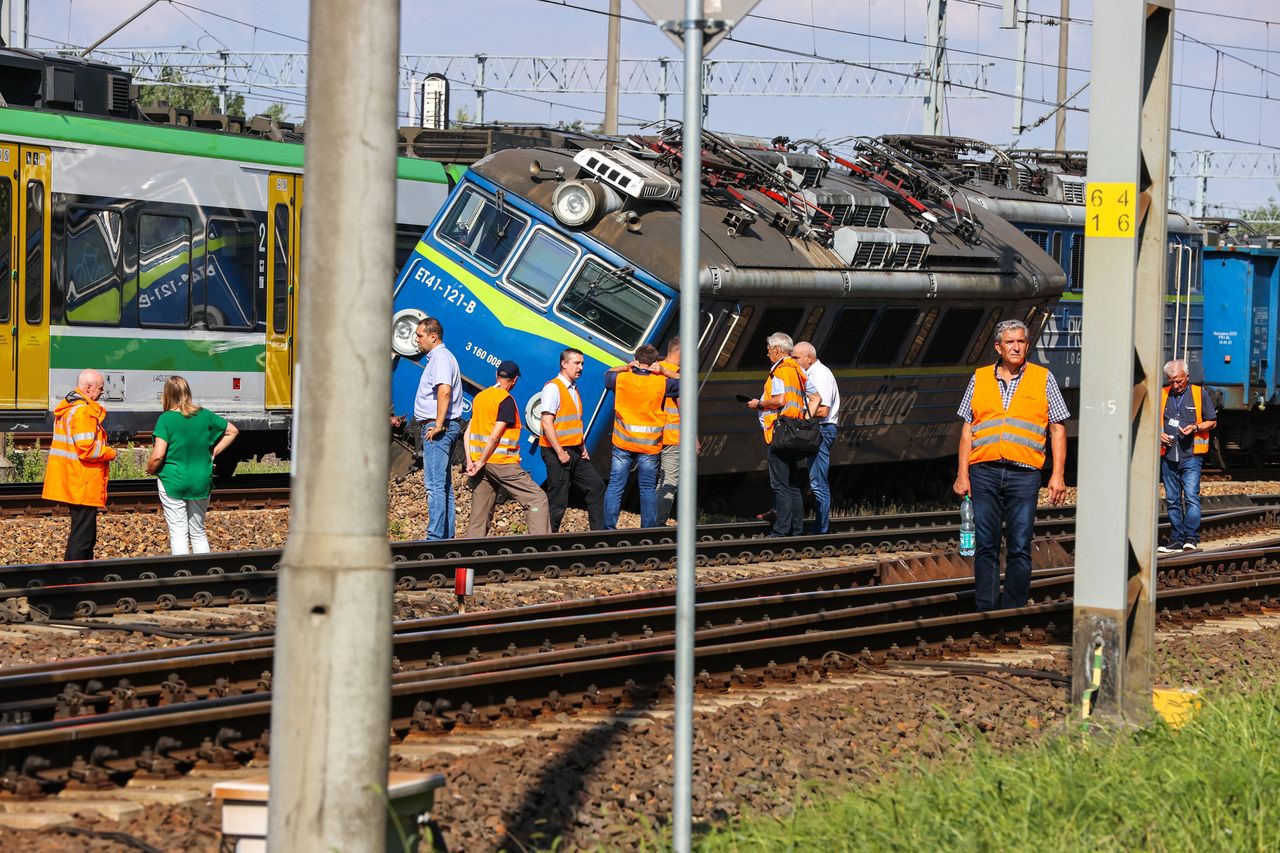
[(464, 583)]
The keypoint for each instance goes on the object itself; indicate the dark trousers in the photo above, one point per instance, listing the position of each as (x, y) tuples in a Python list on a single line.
[(580, 474), (1003, 494), (84, 532), (787, 478)]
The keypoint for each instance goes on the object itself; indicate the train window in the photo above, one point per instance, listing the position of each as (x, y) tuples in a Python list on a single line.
[(542, 266), (1057, 247), (280, 292), (229, 275), (983, 345), (776, 318), (611, 303), (92, 265), (6, 248), (953, 336), (736, 328), (811, 324), (164, 270), (888, 337), (1040, 238), (481, 227), (1075, 275), (34, 279), (922, 334), (846, 337)]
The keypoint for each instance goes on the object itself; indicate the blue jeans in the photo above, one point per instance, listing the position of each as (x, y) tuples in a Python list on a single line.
[(1003, 494), (435, 473), (1182, 485), (619, 472), (818, 482)]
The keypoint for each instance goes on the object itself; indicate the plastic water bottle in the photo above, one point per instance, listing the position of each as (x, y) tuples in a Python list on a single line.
[(968, 529)]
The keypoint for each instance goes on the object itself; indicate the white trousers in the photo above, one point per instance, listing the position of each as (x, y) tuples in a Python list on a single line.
[(186, 523)]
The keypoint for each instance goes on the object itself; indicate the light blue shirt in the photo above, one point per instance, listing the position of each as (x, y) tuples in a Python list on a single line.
[(441, 369)]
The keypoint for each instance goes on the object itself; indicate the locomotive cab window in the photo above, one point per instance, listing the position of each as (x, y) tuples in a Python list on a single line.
[(164, 270), (91, 266), (542, 266), (230, 275), (611, 303), (482, 228)]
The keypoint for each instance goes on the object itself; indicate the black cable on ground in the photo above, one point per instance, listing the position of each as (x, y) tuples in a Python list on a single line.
[(156, 630), (125, 838)]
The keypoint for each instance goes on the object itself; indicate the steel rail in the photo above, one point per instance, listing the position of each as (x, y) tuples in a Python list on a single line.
[(221, 585), (601, 677), (248, 491)]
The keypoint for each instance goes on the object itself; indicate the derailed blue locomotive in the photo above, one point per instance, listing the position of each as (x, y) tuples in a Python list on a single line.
[(894, 274)]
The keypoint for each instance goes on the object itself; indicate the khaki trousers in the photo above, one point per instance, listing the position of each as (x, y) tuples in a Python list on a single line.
[(518, 484)]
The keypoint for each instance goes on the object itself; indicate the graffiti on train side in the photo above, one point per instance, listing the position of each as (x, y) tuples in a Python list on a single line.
[(867, 415)]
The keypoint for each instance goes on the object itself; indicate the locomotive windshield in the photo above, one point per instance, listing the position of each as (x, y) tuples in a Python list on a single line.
[(611, 303), (479, 227), (542, 266)]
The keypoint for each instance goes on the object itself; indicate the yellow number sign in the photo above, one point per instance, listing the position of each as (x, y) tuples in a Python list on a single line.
[(1111, 209)]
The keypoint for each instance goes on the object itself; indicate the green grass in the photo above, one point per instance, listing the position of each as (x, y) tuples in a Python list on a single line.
[(263, 465), (1208, 786)]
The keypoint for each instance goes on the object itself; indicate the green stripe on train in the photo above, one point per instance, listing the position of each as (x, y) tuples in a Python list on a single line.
[(69, 352), (191, 142)]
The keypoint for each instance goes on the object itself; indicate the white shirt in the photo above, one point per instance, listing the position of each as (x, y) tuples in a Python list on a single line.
[(441, 369), (823, 383), (550, 400)]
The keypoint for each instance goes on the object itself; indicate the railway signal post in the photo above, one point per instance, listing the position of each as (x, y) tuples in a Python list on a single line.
[(1125, 268), (331, 697)]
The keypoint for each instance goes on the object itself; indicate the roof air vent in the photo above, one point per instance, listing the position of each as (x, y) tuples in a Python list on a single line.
[(628, 175)]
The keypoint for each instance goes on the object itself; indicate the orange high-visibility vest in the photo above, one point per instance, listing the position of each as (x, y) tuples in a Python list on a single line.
[(79, 456), (638, 419), (1200, 445), (484, 415), (1016, 434), (671, 409), (568, 419), (793, 401)]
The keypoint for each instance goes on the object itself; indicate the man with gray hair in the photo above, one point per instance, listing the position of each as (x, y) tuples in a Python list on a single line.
[(1008, 410), (783, 397), (79, 461), (1187, 414)]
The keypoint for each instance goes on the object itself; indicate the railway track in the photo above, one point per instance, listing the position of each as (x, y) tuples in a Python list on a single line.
[(605, 656), (120, 587), (247, 491)]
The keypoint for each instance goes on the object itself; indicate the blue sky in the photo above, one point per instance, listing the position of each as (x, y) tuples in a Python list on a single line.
[(1236, 81)]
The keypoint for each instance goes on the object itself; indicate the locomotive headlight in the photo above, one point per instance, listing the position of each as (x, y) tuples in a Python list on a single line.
[(574, 203), (404, 326)]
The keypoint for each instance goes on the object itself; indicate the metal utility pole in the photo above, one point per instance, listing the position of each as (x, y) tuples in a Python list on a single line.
[(1020, 66), (222, 83), (1125, 269), (935, 54), (330, 709), (611, 68), (14, 17), (1060, 120), (1202, 182)]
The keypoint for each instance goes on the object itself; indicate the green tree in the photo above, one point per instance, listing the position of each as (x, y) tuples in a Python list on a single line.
[(1265, 217), (463, 116), (178, 91), (277, 112)]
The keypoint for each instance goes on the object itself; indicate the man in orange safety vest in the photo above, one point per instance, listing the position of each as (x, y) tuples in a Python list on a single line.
[(1187, 415), (79, 462)]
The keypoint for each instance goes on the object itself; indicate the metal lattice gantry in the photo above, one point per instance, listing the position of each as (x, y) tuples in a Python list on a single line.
[(549, 75), (1201, 165)]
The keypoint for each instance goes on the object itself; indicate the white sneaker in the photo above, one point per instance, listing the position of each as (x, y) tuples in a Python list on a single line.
[(1190, 546), (1171, 548)]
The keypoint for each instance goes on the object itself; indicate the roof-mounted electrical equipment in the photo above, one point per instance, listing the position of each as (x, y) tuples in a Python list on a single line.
[(800, 169), (628, 174), (867, 210), (881, 248)]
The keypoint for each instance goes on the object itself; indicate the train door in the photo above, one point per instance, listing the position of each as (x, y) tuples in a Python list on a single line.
[(283, 232), (24, 276)]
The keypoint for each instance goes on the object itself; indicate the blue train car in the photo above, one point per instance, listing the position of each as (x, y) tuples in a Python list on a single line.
[(1241, 309)]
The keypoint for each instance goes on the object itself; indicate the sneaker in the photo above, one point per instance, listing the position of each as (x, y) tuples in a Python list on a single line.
[(1190, 546), (1171, 548)]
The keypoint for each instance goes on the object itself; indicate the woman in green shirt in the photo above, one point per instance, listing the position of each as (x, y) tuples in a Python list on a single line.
[(188, 438)]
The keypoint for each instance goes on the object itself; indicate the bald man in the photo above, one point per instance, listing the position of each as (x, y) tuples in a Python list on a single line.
[(79, 458), (823, 395)]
